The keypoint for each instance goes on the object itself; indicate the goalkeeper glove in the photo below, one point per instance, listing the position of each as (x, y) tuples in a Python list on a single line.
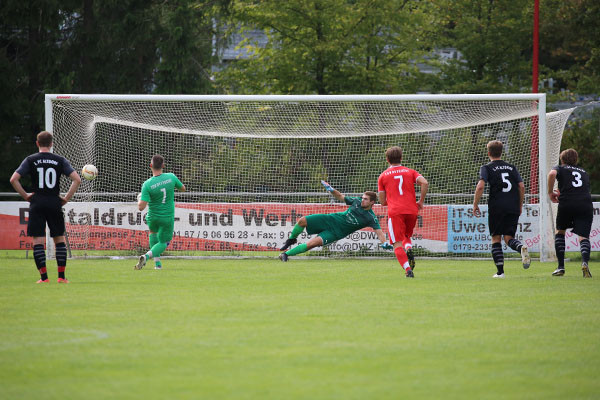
[(387, 246), (327, 186)]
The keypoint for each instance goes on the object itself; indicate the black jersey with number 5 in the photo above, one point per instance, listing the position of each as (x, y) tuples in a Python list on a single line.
[(504, 179), (45, 170), (573, 184)]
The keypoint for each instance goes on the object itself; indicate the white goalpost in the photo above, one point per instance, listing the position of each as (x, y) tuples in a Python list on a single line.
[(253, 165)]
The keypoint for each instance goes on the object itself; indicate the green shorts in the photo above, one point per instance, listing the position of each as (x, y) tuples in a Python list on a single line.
[(323, 226), (162, 226)]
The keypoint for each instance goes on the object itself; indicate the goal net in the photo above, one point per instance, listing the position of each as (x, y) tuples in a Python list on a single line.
[(252, 166)]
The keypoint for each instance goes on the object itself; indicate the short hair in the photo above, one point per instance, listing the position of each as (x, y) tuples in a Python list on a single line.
[(157, 161), (44, 139), (495, 148), (394, 154), (372, 195), (569, 157)]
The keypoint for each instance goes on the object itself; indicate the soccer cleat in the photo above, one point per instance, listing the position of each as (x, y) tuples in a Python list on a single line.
[(141, 262), (43, 281), (559, 272), (586, 270), (62, 280), (158, 267), (496, 275), (525, 257), (411, 259), (288, 243), (409, 273), (283, 257)]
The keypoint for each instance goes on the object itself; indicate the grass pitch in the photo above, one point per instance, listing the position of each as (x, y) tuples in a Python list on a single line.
[(306, 329)]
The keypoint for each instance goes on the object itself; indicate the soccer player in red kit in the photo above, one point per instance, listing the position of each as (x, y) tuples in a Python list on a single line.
[(396, 187)]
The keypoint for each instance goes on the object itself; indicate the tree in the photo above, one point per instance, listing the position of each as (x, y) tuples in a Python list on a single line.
[(583, 134), (495, 40), (570, 44), (82, 46), (334, 46)]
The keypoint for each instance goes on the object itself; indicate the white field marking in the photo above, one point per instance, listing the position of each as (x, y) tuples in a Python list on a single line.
[(88, 335)]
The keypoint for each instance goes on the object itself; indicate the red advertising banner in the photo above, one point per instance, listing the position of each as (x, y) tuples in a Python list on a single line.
[(208, 226)]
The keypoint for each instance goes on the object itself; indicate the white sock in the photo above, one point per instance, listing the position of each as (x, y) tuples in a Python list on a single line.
[(406, 266), (148, 255)]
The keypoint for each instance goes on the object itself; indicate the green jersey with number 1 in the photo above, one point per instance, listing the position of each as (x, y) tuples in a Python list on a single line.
[(159, 192)]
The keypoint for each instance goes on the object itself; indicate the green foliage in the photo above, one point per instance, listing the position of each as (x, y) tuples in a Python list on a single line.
[(570, 44), (494, 40), (583, 135), (328, 47), (124, 46)]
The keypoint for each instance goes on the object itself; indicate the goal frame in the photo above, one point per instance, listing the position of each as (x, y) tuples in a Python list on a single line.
[(545, 214)]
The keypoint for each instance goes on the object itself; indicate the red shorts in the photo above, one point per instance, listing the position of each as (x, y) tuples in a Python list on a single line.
[(401, 226)]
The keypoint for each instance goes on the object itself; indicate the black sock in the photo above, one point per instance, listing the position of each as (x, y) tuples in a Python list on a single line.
[(559, 246), (61, 259), (515, 244), (498, 257), (584, 247), (39, 255)]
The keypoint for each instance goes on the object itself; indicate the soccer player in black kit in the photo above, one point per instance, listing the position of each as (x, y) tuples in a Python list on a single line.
[(575, 208), (45, 169), (505, 205)]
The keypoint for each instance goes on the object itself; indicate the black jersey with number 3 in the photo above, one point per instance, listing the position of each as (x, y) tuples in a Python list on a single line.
[(504, 179), (45, 170), (573, 184)]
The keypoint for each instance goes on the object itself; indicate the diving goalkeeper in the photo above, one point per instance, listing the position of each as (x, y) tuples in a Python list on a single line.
[(336, 226)]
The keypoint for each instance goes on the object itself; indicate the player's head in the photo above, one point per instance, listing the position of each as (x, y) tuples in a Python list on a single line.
[(44, 139), (368, 199), (157, 162), (569, 157), (394, 155), (494, 148)]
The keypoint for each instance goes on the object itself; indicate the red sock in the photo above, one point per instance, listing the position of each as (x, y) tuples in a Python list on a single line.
[(401, 255)]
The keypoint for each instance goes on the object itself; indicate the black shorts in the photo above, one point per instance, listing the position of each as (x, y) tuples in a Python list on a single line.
[(42, 210), (578, 216), (503, 223)]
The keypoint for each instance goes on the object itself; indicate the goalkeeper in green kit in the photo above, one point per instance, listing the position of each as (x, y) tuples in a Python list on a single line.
[(336, 226), (158, 193)]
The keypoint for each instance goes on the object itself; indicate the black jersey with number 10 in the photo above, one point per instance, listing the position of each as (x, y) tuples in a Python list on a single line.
[(504, 179), (45, 170)]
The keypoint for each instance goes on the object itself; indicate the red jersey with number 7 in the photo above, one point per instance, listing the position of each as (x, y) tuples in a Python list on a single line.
[(398, 183)]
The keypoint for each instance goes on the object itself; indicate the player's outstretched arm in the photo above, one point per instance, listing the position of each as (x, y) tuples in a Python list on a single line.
[(478, 194), (551, 191), (384, 243), (335, 193)]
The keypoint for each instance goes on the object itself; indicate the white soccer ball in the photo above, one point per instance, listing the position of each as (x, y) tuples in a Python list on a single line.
[(89, 172)]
